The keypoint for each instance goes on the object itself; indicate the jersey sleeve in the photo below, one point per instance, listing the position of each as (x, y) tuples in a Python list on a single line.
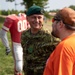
[(7, 24)]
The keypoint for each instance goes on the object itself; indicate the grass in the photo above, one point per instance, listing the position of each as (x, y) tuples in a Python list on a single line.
[(6, 61)]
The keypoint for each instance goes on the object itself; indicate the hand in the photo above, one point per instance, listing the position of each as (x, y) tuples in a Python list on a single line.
[(7, 50)]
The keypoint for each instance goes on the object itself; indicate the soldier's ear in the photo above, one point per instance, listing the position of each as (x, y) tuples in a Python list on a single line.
[(26, 17)]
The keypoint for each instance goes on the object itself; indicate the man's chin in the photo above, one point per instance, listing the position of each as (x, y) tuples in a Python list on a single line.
[(54, 34)]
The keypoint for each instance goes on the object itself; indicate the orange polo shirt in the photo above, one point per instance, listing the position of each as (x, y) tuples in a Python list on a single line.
[(62, 60)]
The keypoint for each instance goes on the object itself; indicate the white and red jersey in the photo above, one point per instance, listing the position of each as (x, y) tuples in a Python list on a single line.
[(15, 25)]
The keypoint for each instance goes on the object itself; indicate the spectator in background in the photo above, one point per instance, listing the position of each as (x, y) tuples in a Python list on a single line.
[(62, 60), (16, 25)]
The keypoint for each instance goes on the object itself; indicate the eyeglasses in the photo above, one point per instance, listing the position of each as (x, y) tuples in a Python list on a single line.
[(55, 20)]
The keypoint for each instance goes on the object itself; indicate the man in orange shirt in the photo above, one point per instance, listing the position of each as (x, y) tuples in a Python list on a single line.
[(62, 60)]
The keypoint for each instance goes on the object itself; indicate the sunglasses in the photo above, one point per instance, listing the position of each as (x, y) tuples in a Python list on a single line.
[(55, 20)]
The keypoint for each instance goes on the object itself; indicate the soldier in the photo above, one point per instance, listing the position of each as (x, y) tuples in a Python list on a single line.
[(37, 43)]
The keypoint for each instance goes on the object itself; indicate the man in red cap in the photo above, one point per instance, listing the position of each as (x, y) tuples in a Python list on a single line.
[(62, 60)]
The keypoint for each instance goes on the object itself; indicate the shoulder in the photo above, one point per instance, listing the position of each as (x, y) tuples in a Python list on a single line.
[(25, 33), (8, 19), (25, 36), (11, 17), (46, 34), (43, 31)]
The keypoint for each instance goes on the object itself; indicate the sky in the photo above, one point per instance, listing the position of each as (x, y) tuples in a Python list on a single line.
[(52, 4)]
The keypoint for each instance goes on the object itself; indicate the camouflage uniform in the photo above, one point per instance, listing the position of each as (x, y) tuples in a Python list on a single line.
[(36, 49)]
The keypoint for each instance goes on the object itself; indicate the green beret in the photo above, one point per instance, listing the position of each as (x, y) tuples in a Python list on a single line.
[(34, 10)]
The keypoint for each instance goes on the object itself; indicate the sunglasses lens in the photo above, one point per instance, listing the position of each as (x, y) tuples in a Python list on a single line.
[(55, 20)]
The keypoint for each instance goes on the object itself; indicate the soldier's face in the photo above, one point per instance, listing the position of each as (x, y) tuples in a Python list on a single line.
[(36, 21)]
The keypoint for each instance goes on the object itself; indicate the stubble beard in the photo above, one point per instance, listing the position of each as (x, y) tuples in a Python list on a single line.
[(55, 34)]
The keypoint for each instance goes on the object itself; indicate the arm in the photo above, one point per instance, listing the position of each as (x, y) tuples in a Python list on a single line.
[(3, 35)]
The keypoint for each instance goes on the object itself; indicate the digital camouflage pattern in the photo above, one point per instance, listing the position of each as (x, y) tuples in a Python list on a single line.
[(36, 49)]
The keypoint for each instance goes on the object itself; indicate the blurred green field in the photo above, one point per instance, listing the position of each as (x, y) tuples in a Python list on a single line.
[(48, 25), (6, 62)]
